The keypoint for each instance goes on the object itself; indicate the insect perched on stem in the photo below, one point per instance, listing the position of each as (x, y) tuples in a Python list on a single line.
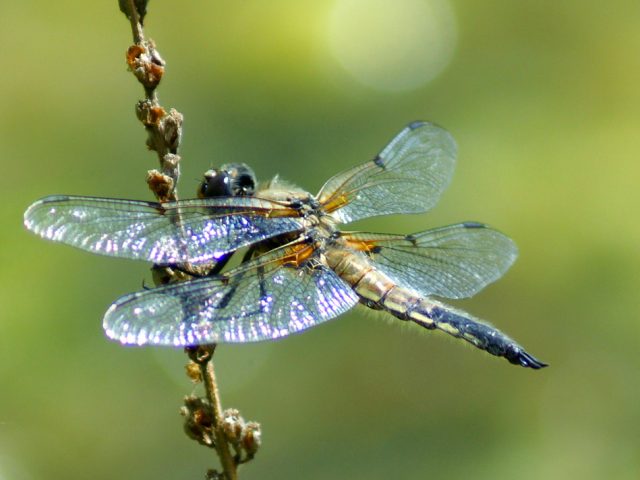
[(299, 269)]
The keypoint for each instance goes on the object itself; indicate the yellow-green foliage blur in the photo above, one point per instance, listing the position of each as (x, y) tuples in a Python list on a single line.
[(543, 99)]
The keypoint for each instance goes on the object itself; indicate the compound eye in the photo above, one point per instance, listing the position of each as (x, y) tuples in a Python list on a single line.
[(216, 183), (243, 180), (246, 184)]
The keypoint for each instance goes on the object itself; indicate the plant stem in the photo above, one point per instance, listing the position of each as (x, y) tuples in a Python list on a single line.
[(164, 131), (136, 25), (211, 387)]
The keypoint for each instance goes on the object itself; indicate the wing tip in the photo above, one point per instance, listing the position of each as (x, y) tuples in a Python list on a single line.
[(27, 218), (477, 225), (509, 247), (33, 213), (438, 134), (416, 124), (30, 217)]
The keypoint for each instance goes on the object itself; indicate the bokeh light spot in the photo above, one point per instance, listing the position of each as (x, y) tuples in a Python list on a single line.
[(392, 45)]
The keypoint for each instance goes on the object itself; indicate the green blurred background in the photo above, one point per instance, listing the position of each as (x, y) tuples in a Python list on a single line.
[(544, 101)]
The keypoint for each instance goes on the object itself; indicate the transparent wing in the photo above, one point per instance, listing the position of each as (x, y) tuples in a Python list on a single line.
[(408, 176), (260, 300), (195, 231), (454, 262)]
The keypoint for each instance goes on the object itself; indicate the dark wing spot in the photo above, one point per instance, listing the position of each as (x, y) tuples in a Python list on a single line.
[(411, 238), (379, 162), (263, 288), (224, 301), (416, 124), (474, 225)]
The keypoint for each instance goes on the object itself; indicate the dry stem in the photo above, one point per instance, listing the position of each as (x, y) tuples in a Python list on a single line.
[(203, 357), (164, 128), (164, 131)]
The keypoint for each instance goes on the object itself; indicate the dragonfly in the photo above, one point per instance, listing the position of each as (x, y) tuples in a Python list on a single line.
[(299, 268)]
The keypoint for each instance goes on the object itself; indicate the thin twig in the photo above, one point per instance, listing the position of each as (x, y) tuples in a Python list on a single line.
[(130, 9), (164, 128), (164, 131), (211, 387), (203, 356)]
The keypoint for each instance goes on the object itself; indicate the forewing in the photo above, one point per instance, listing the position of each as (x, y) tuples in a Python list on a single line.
[(408, 176), (260, 300), (195, 231), (455, 261)]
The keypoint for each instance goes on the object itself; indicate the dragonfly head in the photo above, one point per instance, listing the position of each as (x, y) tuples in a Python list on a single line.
[(231, 179)]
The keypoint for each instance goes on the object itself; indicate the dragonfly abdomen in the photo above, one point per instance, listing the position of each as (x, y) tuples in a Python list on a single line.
[(432, 314), (379, 291)]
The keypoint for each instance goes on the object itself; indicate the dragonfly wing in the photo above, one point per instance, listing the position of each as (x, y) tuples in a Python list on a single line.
[(454, 262), (260, 300), (408, 176), (196, 231)]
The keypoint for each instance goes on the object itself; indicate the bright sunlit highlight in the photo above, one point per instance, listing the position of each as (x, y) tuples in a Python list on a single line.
[(392, 45)]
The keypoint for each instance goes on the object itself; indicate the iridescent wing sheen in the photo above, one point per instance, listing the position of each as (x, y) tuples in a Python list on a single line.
[(408, 176), (263, 299), (195, 231), (454, 262)]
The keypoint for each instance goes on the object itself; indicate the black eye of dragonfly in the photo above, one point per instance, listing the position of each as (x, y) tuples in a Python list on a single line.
[(231, 179), (243, 179), (216, 183)]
